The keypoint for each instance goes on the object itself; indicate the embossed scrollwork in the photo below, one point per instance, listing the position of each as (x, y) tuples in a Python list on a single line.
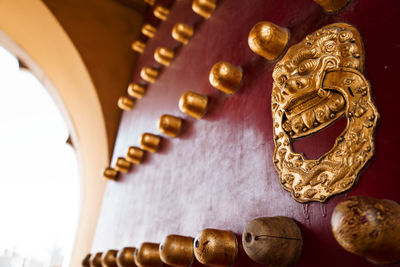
[(319, 80)]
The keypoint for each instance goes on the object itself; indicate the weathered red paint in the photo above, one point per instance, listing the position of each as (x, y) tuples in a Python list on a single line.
[(219, 172)]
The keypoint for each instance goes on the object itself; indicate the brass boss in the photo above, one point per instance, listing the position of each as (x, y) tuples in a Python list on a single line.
[(204, 8), (138, 46), (177, 250), (125, 103), (225, 77), (122, 165), (149, 74), (149, 30), (95, 260), (268, 40), (109, 259), (134, 155), (182, 32), (215, 247), (110, 173), (164, 56), (150, 142), (161, 12), (169, 125), (136, 90), (126, 257), (148, 255), (193, 104)]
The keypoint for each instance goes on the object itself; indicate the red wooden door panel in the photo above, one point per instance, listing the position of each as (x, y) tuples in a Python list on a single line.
[(219, 172)]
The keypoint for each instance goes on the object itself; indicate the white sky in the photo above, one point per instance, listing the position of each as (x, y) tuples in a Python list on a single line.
[(39, 179)]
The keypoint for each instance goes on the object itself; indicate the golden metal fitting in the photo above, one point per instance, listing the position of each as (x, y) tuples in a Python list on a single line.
[(161, 12), (138, 46), (204, 8), (86, 260), (149, 74), (226, 77), (110, 173), (273, 241), (148, 255), (215, 247), (134, 155), (164, 56), (193, 104), (177, 250), (136, 90), (182, 32), (315, 83), (331, 6), (368, 227), (169, 125), (268, 40), (125, 103), (109, 259), (126, 257), (150, 142), (150, 2), (122, 165), (95, 260), (149, 30)]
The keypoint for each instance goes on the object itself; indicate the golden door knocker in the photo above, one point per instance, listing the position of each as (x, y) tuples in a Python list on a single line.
[(315, 83)]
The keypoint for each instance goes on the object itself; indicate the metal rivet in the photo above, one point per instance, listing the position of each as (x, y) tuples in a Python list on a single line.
[(109, 259), (138, 46), (136, 90), (169, 125), (125, 103), (148, 255), (164, 56), (110, 173), (268, 40), (182, 32), (161, 12), (149, 30), (126, 257), (134, 155), (177, 250), (193, 104), (150, 142), (332, 5), (204, 8), (149, 74), (216, 247), (225, 77), (122, 165), (95, 260)]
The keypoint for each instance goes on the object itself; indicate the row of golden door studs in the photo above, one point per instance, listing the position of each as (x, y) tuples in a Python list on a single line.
[(265, 39), (273, 241)]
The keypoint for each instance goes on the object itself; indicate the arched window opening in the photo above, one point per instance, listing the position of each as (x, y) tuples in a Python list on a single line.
[(39, 181)]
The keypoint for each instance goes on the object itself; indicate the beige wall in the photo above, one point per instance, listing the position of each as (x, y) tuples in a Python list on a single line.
[(83, 57)]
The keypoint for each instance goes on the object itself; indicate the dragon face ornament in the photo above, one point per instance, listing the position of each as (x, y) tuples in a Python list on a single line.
[(319, 80)]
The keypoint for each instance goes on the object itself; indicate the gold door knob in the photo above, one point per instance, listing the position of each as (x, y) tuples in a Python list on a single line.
[(149, 74), (177, 250), (109, 259), (169, 125), (368, 227), (216, 247), (182, 32), (193, 104), (150, 142), (273, 241), (164, 56), (149, 30), (161, 12), (135, 155), (268, 40), (332, 5), (86, 260), (204, 8), (95, 260), (136, 90), (122, 165), (126, 257), (148, 255), (225, 77), (125, 103), (150, 2), (138, 46), (110, 173)]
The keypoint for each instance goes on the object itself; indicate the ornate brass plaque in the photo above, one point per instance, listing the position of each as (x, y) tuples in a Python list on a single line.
[(319, 80)]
